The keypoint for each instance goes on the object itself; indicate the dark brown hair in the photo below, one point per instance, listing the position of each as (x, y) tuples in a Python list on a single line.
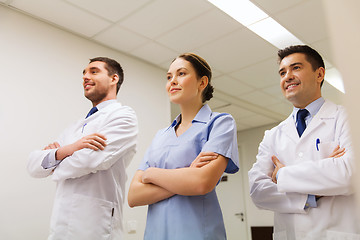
[(202, 68), (113, 67)]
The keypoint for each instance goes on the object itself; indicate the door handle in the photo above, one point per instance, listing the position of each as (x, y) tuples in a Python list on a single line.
[(240, 215)]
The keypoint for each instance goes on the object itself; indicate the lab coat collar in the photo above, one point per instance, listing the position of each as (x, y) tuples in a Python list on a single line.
[(101, 108), (313, 108), (326, 112), (105, 104), (288, 128)]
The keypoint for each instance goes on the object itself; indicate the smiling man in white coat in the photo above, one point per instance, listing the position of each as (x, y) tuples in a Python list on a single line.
[(88, 161), (305, 164)]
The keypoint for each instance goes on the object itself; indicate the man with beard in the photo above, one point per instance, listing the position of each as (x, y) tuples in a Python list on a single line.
[(88, 160)]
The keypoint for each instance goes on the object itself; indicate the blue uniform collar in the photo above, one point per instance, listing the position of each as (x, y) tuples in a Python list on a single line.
[(202, 116)]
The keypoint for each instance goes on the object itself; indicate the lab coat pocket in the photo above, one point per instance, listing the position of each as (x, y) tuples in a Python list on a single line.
[(90, 218), (325, 149)]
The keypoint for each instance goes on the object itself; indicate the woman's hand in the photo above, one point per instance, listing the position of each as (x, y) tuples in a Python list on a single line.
[(203, 158)]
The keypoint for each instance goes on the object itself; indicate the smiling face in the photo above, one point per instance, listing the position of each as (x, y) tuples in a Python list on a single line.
[(98, 85), (299, 83), (183, 84)]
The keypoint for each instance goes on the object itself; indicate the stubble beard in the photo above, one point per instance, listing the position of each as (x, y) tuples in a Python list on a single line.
[(95, 97)]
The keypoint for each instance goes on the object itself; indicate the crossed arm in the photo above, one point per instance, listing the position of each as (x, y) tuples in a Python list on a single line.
[(338, 152), (296, 182), (95, 141), (156, 184), (91, 153), (35, 167), (327, 177)]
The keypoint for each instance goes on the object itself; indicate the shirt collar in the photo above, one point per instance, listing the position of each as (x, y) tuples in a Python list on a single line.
[(105, 103), (313, 107), (203, 116)]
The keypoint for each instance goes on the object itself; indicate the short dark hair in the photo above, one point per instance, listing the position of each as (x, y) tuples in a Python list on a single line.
[(311, 55), (113, 67), (202, 68)]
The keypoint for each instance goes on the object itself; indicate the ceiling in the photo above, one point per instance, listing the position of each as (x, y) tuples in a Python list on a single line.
[(244, 65)]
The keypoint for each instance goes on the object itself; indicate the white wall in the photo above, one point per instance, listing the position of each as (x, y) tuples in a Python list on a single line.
[(345, 39), (249, 141), (41, 93)]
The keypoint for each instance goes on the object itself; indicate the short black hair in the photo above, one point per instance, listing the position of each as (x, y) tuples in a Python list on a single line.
[(113, 67), (311, 55)]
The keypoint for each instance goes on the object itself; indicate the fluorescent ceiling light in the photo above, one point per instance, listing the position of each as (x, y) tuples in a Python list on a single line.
[(245, 12), (252, 17), (255, 19), (274, 33)]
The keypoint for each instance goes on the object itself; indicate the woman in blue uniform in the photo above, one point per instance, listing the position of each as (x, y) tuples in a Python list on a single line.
[(186, 160)]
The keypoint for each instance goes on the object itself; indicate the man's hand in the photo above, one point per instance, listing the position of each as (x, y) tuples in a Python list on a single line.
[(338, 152), (203, 158), (278, 165), (95, 141), (52, 146)]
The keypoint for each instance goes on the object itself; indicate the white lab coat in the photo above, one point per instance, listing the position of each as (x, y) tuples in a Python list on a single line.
[(91, 184), (308, 171)]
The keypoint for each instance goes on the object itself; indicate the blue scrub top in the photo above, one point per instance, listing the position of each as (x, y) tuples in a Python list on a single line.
[(190, 217)]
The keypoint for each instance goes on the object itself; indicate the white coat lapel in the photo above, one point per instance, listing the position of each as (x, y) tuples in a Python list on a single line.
[(288, 128), (326, 113)]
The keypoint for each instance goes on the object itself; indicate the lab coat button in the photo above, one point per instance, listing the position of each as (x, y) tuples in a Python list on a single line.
[(301, 154)]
